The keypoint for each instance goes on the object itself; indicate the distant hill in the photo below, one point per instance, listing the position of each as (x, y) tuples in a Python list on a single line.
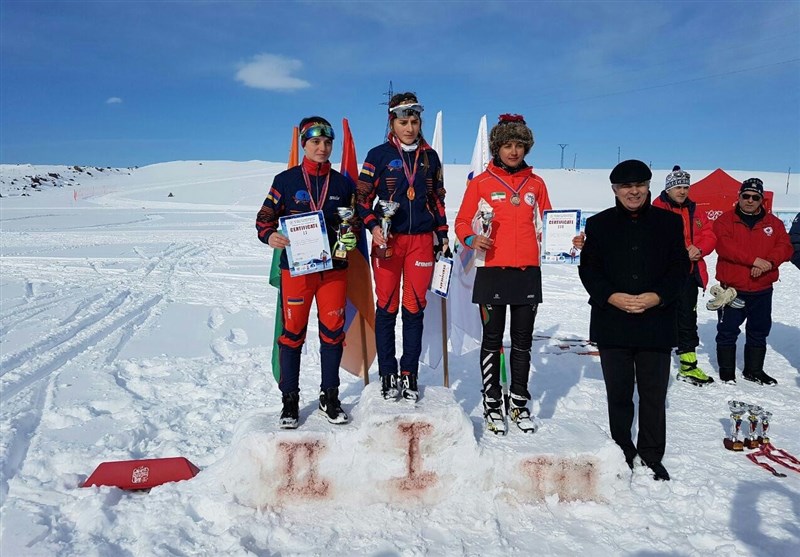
[(23, 179)]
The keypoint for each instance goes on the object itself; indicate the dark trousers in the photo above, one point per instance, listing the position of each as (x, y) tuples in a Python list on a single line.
[(687, 318), (648, 370), (757, 311), (523, 318)]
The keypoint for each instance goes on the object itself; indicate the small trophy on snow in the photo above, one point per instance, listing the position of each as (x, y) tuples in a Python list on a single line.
[(345, 214), (388, 208), (732, 442), (763, 439), (754, 417)]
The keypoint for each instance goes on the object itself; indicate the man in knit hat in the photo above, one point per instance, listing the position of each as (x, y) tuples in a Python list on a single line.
[(700, 241), (751, 244), (634, 264)]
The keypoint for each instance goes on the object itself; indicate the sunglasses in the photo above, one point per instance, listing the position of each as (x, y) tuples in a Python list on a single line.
[(317, 130), (407, 110), (748, 197)]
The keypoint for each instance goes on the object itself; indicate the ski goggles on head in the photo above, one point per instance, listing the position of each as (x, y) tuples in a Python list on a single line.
[(316, 129), (406, 110)]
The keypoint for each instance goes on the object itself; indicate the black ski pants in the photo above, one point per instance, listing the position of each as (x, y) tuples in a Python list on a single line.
[(687, 317), (647, 369), (523, 318)]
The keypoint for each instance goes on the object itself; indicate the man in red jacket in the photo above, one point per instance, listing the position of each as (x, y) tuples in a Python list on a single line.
[(751, 244), (698, 235)]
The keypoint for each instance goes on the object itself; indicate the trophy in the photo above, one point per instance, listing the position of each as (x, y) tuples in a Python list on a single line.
[(388, 208), (754, 418), (345, 214), (733, 443), (764, 437), (486, 222)]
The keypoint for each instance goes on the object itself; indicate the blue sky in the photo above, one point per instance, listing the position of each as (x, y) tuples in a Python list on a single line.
[(115, 83)]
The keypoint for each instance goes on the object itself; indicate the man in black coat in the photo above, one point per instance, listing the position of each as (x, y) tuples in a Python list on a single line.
[(633, 265), (794, 236)]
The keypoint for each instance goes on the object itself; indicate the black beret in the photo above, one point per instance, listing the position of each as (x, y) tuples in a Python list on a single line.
[(630, 172)]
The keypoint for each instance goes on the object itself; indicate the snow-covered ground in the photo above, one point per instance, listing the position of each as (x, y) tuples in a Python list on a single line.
[(138, 325)]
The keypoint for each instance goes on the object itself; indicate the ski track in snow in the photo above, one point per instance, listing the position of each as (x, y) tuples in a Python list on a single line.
[(133, 326)]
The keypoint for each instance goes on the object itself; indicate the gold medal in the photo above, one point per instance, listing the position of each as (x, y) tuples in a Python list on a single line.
[(411, 195), (515, 199)]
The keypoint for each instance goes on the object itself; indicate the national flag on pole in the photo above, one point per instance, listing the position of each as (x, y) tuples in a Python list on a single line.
[(359, 343), (275, 272), (465, 323), (432, 346)]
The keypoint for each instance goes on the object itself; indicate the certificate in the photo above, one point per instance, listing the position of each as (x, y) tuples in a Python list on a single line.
[(308, 250), (559, 229), (440, 283)]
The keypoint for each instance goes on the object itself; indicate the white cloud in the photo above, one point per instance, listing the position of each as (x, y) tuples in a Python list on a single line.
[(271, 72), (113, 100)]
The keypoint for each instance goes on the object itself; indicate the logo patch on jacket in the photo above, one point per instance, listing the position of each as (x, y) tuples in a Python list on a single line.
[(529, 198), (698, 223), (302, 196), (768, 230), (395, 164)]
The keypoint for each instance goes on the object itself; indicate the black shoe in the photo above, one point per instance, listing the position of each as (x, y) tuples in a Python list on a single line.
[(759, 377), (331, 408), (659, 472), (408, 385), (290, 413), (389, 388), (754, 365)]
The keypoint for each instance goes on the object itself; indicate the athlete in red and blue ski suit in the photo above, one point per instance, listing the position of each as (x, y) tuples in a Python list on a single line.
[(308, 187), (406, 170)]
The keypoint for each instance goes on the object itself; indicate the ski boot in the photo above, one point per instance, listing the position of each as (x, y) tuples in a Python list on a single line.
[(408, 386), (754, 365), (689, 371), (389, 389), (520, 415), (291, 412), (726, 360), (493, 415), (331, 408)]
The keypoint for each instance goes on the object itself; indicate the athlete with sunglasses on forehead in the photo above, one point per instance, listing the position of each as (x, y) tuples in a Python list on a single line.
[(404, 170), (751, 244), (311, 186)]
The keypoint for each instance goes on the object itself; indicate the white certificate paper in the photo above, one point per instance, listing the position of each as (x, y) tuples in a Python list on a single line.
[(440, 283), (560, 226), (308, 250)]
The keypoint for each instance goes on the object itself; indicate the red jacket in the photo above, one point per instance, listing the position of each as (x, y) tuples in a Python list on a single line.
[(738, 246), (516, 229), (698, 231)]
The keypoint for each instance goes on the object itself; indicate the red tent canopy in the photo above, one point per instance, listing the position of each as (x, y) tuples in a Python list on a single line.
[(718, 192)]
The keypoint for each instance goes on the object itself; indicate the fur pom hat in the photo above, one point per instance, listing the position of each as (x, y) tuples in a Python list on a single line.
[(510, 127)]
